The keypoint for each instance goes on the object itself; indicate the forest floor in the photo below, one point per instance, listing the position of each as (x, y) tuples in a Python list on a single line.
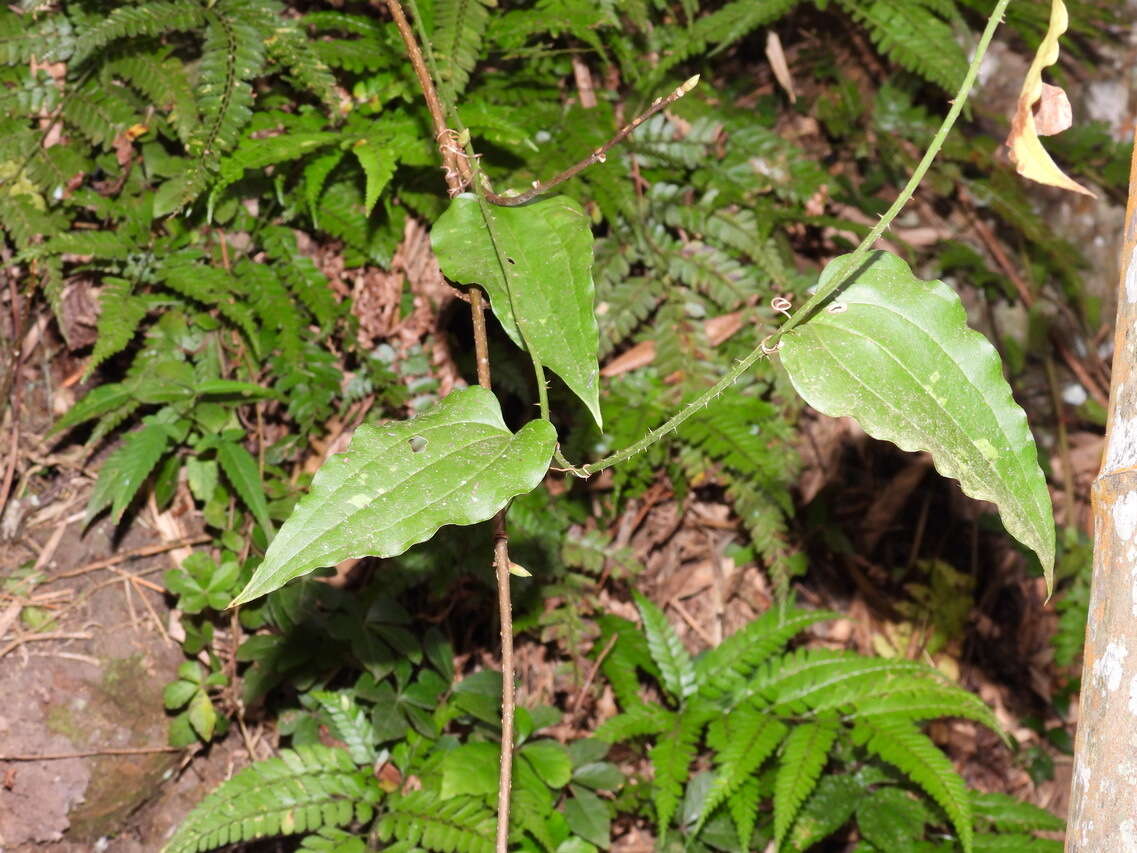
[(86, 645), (88, 635)]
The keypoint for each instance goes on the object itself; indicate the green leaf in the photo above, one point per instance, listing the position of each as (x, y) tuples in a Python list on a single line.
[(126, 469), (535, 262), (178, 693), (456, 463), (378, 166), (241, 469), (105, 398), (667, 650), (470, 769), (896, 354), (550, 761), (599, 775), (588, 817), (202, 715), (891, 819)]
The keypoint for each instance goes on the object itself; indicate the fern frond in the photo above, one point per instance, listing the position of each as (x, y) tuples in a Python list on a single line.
[(725, 668), (915, 36), (301, 275), (232, 54), (125, 470), (637, 297), (745, 739), (24, 218), (147, 19), (901, 744), (629, 654), (99, 112), (120, 312), (350, 723), (636, 721), (741, 431), (101, 244), (330, 20), (811, 677), (803, 758), (674, 661), (454, 825), (316, 172), (459, 26), (210, 286), (1005, 813), (288, 47), (828, 808), (300, 791), (763, 508), (659, 141), (271, 301), (922, 699), (743, 807), (98, 402), (671, 758), (111, 421), (268, 151), (722, 28), (164, 84)]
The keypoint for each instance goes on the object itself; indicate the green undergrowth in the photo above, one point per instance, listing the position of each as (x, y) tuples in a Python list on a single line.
[(217, 175)]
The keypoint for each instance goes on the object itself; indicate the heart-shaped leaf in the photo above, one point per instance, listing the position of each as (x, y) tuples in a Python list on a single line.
[(456, 463), (895, 353), (535, 262)]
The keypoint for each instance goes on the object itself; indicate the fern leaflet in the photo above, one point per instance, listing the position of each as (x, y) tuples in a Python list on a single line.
[(148, 19), (300, 791), (639, 719), (671, 758), (455, 825), (726, 667), (124, 471), (677, 672), (901, 744), (459, 26), (744, 741), (803, 758), (120, 312)]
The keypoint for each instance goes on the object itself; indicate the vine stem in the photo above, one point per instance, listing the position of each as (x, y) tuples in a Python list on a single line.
[(850, 266), (853, 261), (457, 175), (456, 170)]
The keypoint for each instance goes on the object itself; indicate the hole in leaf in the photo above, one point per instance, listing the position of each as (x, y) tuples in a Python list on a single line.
[(417, 443)]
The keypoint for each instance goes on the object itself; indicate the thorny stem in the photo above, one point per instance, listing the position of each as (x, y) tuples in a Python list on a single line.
[(674, 422), (854, 261), (851, 265)]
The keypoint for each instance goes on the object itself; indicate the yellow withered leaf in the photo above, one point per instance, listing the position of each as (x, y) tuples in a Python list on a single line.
[(1030, 158)]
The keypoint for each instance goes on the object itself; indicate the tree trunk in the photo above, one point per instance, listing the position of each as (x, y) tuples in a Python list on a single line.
[(1103, 812)]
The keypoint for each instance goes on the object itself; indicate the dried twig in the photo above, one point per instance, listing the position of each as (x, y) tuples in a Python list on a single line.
[(124, 556), (89, 753), (597, 156)]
